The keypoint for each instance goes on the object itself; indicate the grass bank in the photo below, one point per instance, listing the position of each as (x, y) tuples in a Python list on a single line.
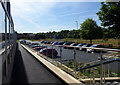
[(111, 43)]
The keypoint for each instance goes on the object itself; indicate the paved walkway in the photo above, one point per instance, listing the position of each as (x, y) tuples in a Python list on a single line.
[(27, 70)]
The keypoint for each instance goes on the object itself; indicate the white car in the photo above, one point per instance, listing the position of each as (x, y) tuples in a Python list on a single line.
[(94, 46)]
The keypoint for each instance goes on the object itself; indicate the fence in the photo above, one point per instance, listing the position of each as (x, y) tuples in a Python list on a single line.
[(87, 72)]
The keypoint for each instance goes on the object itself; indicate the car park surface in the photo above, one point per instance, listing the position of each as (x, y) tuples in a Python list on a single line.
[(81, 56)]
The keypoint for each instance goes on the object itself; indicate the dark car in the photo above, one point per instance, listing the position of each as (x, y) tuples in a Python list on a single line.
[(49, 52), (28, 43), (22, 41), (73, 44), (42, 41), (33, 46), (45, 42), (86, 45), (48, 42), (66, 44), (61, 43), (94, 46)]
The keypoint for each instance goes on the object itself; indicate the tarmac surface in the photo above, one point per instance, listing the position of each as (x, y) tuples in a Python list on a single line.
[(27, 70)]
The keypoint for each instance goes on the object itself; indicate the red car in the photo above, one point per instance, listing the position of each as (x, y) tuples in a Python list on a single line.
[(37, 48), (49, 52), (51, 42)]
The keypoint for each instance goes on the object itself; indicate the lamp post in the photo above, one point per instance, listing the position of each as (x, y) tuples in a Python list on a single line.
[(77, 27)]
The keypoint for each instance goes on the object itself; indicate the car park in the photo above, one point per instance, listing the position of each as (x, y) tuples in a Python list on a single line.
[(49, 52), (85, 45), (90, 50)]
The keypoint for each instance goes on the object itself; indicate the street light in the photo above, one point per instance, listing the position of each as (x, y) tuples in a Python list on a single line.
[(77, 27)]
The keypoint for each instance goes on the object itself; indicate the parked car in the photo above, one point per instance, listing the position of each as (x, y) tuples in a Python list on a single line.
[(94, 46), (61, 43), (22, 41), (51, 42), (67, 44), (42, 41), (73, 44), (28, 43), (33, 46), (80, 45), (38, 48), (55, 43), (49, 52), (48, 42), (45, 42), (86, 45)]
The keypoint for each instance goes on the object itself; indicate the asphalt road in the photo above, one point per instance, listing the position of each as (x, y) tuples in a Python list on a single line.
[(27, 70)]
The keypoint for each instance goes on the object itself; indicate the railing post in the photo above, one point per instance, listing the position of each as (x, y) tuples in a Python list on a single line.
[(52, 51), (61, 56), (90, 76), (104, 73), (46, 52), (75, 61), (108, 70), (101, 61), (93, 76)]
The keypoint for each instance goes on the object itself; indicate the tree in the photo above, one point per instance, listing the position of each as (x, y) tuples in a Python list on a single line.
[(90, 30), (109, 15)]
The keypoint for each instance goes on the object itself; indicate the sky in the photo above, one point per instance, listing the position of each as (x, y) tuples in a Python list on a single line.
[(44, 16)]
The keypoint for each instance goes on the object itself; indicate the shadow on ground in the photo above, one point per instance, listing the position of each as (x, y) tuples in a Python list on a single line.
[(19, 73)]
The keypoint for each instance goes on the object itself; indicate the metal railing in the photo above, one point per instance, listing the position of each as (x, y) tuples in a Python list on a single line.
[(91, 66)]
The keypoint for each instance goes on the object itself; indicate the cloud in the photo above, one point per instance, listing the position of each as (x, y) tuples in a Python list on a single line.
[(25, 14), (76, 13)]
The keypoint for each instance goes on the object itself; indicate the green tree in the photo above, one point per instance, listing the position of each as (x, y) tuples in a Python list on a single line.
[(90, 30), (109, 15)]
